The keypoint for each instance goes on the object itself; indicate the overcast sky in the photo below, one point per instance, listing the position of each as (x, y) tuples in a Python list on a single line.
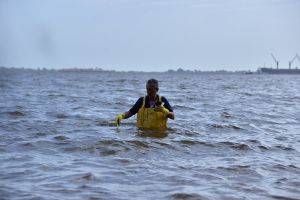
[(149, 35)]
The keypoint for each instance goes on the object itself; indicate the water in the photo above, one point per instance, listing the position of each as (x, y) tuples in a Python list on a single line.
[(234, 137)]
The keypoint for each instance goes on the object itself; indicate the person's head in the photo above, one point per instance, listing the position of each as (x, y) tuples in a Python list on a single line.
[(152, 87)]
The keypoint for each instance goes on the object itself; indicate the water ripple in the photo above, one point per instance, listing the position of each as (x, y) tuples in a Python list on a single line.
[(230, 139)]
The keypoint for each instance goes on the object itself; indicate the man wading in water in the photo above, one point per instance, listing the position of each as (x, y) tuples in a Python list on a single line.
[(152, 110)]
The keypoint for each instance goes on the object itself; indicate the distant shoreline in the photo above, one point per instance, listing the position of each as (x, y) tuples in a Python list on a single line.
[(96, 69)]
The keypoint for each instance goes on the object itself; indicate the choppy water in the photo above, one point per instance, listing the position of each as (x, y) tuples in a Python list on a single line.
[(234, 137)]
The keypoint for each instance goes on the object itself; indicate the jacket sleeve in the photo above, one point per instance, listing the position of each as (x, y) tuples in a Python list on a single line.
[(167, 104), (135, 108)]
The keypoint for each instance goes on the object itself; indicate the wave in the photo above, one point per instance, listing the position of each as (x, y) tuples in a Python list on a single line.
[(226, 115), (16, 113), (281, 147), (113, 124), (183, 107), (61, 116), (226, 144), (225, 126), (281, 197), (61, 138), (56, 95), (241, 169), (187, 196)]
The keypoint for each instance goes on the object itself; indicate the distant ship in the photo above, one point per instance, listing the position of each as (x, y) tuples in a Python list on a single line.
[(281, 70), (278, 71)]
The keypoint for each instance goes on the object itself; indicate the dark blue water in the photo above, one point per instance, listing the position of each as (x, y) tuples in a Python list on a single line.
[(234, 137)]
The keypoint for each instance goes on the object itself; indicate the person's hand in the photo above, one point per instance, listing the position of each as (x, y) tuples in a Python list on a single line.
[(162, 109), (119, 118)]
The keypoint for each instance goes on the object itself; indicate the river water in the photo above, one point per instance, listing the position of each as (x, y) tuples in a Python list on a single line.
[(234, 137)]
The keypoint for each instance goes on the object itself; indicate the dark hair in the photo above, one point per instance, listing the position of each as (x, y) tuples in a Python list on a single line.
[(152, 82)]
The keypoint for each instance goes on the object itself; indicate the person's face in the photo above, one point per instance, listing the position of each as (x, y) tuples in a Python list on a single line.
[(152, 90)]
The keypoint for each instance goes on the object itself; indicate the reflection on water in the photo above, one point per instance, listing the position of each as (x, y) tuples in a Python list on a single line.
[(234, 137), (152, 133)]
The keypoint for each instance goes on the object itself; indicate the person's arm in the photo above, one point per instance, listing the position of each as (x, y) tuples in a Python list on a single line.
[(167, 106), (129, 113), (171, 115)]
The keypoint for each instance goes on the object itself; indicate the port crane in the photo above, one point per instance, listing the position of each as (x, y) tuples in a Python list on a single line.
[(276, 61), (291, 62)]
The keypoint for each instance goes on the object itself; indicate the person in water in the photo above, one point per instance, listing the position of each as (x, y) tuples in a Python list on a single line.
[(152, 110)]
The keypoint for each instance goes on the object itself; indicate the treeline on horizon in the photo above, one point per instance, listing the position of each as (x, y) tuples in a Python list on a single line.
[(97, 69)]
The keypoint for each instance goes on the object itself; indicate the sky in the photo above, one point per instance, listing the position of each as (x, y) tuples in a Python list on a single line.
[(149, 35)]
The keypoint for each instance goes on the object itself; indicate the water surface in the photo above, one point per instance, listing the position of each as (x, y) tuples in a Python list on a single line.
[(234, 137)]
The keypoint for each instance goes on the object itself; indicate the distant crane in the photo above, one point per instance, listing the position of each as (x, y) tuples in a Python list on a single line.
[(291, 62), (276, 61)]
